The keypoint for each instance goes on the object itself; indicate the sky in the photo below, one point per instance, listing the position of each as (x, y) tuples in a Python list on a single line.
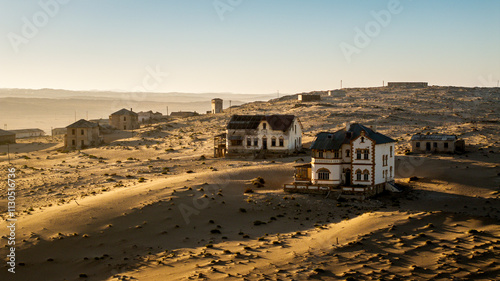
[(246, 46)]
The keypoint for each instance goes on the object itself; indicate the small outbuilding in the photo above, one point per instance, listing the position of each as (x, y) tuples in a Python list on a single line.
[(184, 114), (436, 143), (309, 97), (7, 137), (82, 134)]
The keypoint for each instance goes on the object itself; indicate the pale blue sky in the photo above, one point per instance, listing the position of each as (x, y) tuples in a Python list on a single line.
[(255, 46)]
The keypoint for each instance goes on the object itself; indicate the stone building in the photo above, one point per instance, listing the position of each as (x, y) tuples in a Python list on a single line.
[(124, 119), (82, 134), (28, 133), (436, 143), (407, 84), (216, 105), (7, 137), (308, 97)]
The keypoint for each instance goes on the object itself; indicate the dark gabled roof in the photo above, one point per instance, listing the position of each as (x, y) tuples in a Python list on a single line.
[(124, 111), (251, 122), (6, 133), (440, 137), (333, 141), (82, 123)]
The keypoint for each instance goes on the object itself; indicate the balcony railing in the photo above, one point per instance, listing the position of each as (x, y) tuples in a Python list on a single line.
[(326, 161)]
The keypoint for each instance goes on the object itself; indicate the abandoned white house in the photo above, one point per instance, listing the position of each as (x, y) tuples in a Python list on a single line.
[(216, 105), (354, 161), (124, 119), (436, 143), (28, 133), (273, 134), (82, 134), (7, 137)]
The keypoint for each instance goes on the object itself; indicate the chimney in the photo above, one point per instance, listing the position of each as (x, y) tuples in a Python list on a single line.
[(131, 109), (347, 126)]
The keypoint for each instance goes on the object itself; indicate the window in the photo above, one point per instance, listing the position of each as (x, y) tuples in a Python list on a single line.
[(73, 142), (124, 118), (282, 142), (255, 142), (249, 142), (417, 144), (236, 142), (362, 139), (445, 145), (323, 174), (365, 175), (390, 172), (320, 154), (273, 141), (347, 152), (358, 175), (295, 128), (336, 154), (366, 153), (390, 151), (81, 132), (73, 131), (384, 160), (124, 127), (435, 144), (264, 126), (358, 154)]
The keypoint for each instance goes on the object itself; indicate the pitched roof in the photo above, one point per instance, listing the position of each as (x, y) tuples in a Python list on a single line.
[(6, 133), (251, 122), (441, 137), (82, 123), (124, 111), (333, 141)]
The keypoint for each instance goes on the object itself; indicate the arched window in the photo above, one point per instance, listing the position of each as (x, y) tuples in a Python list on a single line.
[(282, 141), (366, 175), (390, 151), (323, 174), (273, 141), (358, 175)]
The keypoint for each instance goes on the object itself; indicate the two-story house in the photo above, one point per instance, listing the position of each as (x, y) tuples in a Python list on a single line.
[(273, 134), (355, 160)]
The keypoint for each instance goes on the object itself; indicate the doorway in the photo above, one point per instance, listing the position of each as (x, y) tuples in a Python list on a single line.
[(428, 146), (264, 143)]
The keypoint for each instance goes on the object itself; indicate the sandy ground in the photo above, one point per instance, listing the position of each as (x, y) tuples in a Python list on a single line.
[(154, 205)]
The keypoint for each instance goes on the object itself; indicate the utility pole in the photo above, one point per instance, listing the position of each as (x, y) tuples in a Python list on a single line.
[(383, 83), (278, 94), (341, 84), (229, 107), (167, 110), (8, 152)]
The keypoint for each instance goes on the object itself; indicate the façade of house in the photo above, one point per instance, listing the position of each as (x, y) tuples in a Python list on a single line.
[(355, 160), (273, 134)]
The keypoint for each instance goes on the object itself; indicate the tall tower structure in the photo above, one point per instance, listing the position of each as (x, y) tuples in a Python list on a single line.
[(216, 105)]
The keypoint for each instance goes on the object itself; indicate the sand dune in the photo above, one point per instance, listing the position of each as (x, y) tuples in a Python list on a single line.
[(154, 205)]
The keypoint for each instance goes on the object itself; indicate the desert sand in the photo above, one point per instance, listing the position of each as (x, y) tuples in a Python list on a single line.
[(153, 204)]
